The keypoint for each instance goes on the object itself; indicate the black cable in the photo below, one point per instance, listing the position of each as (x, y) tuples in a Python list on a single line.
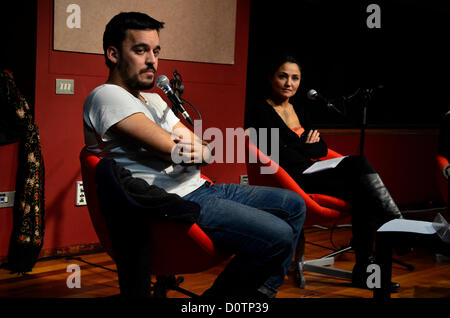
[(73, 256), (89, 263), (196, 110), (319, 245), (49, 258), (331, 237), (332, 228)]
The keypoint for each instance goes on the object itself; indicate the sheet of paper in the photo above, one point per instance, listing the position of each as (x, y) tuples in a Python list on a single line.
[(412, 226), (323, 165)]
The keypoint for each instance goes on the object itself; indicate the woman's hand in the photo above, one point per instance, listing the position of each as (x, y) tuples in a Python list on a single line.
[(312, 137)]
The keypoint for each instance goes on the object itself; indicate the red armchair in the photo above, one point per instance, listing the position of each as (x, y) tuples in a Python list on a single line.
[(320, 208), (175, 247), (443, 174)]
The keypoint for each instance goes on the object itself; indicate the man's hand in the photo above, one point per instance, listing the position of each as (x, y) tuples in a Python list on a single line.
[(190, 152)]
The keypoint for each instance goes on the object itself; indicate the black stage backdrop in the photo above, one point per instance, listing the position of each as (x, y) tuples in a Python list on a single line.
[(409, 56), (18, 20)]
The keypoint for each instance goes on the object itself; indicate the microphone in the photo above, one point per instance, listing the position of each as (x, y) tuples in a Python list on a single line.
[(314, 95), (163, 83)]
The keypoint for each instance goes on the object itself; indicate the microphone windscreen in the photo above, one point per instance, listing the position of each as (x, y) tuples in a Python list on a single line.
[(312, 94), (162, 81)]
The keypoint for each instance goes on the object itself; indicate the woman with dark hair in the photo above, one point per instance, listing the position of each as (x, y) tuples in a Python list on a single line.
[(353, 179)]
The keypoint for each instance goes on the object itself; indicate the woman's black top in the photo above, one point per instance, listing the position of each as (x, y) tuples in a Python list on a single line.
[(294, 154)]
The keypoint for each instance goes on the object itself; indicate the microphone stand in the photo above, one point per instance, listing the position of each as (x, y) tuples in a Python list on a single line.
[(178, 87), (367, 95)]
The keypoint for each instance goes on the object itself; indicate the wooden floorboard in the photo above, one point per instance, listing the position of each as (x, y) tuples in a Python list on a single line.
[(429, 279)]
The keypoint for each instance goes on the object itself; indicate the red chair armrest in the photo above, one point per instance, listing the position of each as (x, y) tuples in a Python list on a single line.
[(206, 178), (442, 162), (331, 202), (200, 237), (442, 177), (281, 179)]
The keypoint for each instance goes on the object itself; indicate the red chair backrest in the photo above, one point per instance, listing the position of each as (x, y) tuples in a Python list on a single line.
[(442, 162), (175, 247), (318, 206)]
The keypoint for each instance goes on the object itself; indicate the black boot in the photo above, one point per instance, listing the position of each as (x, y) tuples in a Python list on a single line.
[(382, 203), (380, 197)]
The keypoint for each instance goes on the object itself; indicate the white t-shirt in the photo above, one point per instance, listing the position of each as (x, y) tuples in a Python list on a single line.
[(108, 104)]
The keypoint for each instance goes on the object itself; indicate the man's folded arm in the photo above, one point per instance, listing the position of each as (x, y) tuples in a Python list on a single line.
[(141, 130)]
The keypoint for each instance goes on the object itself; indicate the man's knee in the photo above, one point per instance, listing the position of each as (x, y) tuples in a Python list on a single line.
[(297, 205)]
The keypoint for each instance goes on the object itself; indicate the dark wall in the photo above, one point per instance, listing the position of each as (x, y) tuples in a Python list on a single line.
[(18, 49), (408, 56)]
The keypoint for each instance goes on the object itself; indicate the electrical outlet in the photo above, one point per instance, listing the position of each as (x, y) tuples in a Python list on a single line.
[(65, 86), (243, 179), (7, 199), (80, 198)]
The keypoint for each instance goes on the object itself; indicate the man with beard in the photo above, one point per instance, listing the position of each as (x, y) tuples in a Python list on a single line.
[(259, 225)]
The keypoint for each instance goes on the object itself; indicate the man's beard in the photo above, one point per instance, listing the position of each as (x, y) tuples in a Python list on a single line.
[(133, 82)]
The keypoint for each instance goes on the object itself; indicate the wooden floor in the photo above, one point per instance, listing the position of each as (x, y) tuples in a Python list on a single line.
[(429, 279)]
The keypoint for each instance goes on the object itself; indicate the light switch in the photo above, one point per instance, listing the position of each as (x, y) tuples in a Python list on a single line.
[(65, 86), (80, 196), (243, 179), (7, 199)]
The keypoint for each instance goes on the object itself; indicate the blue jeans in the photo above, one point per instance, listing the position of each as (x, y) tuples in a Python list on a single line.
[(260, 225)]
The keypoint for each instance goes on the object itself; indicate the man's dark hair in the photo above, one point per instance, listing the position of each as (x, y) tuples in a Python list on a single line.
[(116, 29)]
